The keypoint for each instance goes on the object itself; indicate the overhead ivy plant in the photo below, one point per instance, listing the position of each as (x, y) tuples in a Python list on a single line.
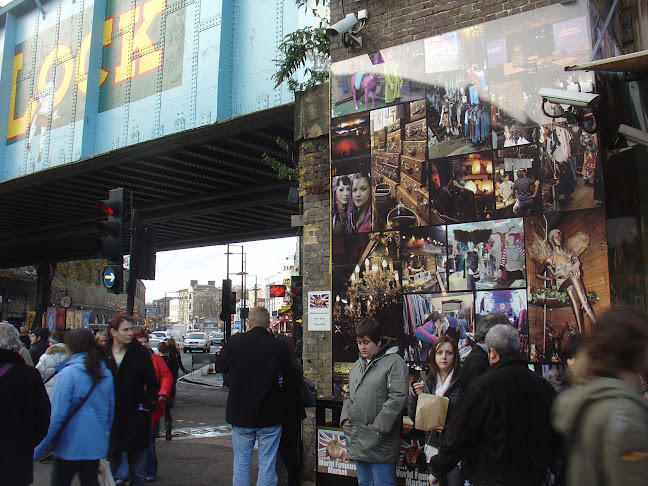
[(307, 48)]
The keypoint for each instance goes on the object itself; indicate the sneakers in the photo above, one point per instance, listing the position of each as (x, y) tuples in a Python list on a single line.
[(150, 479), (120, 482)]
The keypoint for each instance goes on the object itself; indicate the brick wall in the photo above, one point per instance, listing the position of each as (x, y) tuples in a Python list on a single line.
[(392, 23), (312, 139)]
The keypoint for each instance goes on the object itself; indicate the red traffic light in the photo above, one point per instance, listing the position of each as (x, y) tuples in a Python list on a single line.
[(111, 208)]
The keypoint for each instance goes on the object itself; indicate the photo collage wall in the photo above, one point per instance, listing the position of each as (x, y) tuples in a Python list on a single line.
[(454, 196)]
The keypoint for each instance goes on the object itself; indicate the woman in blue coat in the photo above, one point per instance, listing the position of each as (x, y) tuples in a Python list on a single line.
[(84, 440)]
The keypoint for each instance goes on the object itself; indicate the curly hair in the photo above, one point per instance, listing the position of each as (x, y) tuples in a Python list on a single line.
[(9, 337)]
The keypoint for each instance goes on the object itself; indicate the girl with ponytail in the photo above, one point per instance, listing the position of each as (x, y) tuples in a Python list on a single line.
[(82, 413)]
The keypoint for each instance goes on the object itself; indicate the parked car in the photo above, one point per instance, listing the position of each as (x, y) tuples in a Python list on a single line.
[(196, 340), (157, 337), (215, 337)]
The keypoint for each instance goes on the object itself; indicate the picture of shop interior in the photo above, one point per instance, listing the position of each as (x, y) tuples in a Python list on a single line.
[(461, 187), (430, 316), (513, 303), (506, 164), (423, 257), (486, 255), (350, 144), (458, 113), (571, 168), (385, 161), (372, 281)]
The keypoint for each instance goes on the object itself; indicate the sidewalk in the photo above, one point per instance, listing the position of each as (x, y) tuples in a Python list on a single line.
[(201, 376)]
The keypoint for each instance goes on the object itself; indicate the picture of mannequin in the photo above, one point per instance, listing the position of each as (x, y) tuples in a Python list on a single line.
[(560, 265), (359, 211), (341, 197), (43, 119)]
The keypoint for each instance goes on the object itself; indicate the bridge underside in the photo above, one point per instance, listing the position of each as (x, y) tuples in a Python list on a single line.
[(200, 187)]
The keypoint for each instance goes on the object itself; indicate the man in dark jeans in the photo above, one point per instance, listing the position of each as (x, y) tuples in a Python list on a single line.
[(136, 395), (526, 190)]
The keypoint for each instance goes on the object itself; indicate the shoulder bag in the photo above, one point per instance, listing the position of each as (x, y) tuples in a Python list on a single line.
[(52, 444)]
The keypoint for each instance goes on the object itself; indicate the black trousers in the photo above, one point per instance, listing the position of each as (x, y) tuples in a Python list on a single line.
[(63, 472), (289, 450)]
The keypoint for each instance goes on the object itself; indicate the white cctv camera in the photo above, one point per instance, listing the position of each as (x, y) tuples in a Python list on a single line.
[(634, 135), (569, 98), (344, 26)]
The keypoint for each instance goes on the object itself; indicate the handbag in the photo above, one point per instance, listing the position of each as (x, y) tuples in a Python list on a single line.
[(308, 393), (49, 451), (105, 474), (431, 411)]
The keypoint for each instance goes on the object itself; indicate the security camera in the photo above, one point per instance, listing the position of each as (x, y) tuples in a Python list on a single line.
[(569, 98), (634, 135), (344, 26)]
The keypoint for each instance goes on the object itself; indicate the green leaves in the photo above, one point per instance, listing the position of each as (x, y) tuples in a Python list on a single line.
[(308, 45), (284, 172)]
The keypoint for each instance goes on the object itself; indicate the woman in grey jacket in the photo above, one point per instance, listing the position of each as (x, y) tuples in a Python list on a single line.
[(372, 411)]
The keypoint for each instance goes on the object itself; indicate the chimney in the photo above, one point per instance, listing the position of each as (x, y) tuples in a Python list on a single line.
[(193, 283)]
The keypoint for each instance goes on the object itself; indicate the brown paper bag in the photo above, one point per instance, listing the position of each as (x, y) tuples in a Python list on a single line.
[(430, 411)]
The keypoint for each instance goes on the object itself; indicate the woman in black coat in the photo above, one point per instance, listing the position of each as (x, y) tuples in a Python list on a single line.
[(25, 408)]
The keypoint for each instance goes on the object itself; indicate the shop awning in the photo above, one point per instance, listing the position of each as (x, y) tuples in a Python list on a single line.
[(637, 61)]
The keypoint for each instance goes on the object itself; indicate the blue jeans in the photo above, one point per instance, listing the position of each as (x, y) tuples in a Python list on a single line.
[(375, 474), (136, 466), (243, 444), (151, 461)]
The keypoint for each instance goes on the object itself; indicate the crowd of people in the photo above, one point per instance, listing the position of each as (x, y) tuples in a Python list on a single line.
[(88, 398), (505, 425)]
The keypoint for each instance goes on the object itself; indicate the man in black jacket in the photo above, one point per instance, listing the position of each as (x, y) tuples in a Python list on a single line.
[(476, 363), (40, 345), (136, 395), (257, 364), (501, 430)]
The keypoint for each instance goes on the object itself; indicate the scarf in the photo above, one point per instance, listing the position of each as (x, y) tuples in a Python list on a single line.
[(442, 388)]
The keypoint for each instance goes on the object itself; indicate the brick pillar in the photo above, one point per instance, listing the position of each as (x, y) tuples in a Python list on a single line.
[(312, 140)]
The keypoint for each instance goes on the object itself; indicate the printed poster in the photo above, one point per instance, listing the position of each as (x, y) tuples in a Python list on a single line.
[(319, 311)]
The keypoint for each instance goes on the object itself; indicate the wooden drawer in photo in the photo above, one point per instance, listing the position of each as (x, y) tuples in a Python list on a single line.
[(394, 127), (416, 130), (391, 158), (394, 147), (417, 110), (382, 179), (415, 149), (409, 185), (394, 136), (406, 200), (416, 169), (423, 205)]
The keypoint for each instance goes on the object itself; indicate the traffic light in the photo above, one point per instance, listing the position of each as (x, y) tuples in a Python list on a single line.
[(297, 296), (110, 247), (228, 301)]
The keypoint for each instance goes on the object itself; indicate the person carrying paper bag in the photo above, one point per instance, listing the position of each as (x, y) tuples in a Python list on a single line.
[(432, 400)]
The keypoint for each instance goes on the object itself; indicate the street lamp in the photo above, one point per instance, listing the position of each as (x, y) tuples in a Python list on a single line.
[(242, 273)]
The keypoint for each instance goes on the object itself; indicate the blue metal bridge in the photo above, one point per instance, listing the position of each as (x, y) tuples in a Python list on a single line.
[(171, 99)]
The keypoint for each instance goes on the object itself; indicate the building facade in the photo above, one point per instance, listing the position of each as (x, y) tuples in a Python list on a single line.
[(435, 118)]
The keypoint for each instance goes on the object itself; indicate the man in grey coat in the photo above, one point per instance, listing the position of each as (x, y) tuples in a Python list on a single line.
[(373, 406)]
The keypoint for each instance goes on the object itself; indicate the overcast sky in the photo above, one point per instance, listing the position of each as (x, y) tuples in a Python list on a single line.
[(175, 269)]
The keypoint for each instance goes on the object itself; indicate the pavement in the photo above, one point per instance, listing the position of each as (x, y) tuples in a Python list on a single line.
[(198, 455), (201, 450)]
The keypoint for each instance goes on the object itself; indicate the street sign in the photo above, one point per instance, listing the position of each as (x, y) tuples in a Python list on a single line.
[(66, 301), (109, 277)]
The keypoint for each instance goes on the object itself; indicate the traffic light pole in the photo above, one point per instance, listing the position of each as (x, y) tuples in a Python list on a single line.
[(132, 274)]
